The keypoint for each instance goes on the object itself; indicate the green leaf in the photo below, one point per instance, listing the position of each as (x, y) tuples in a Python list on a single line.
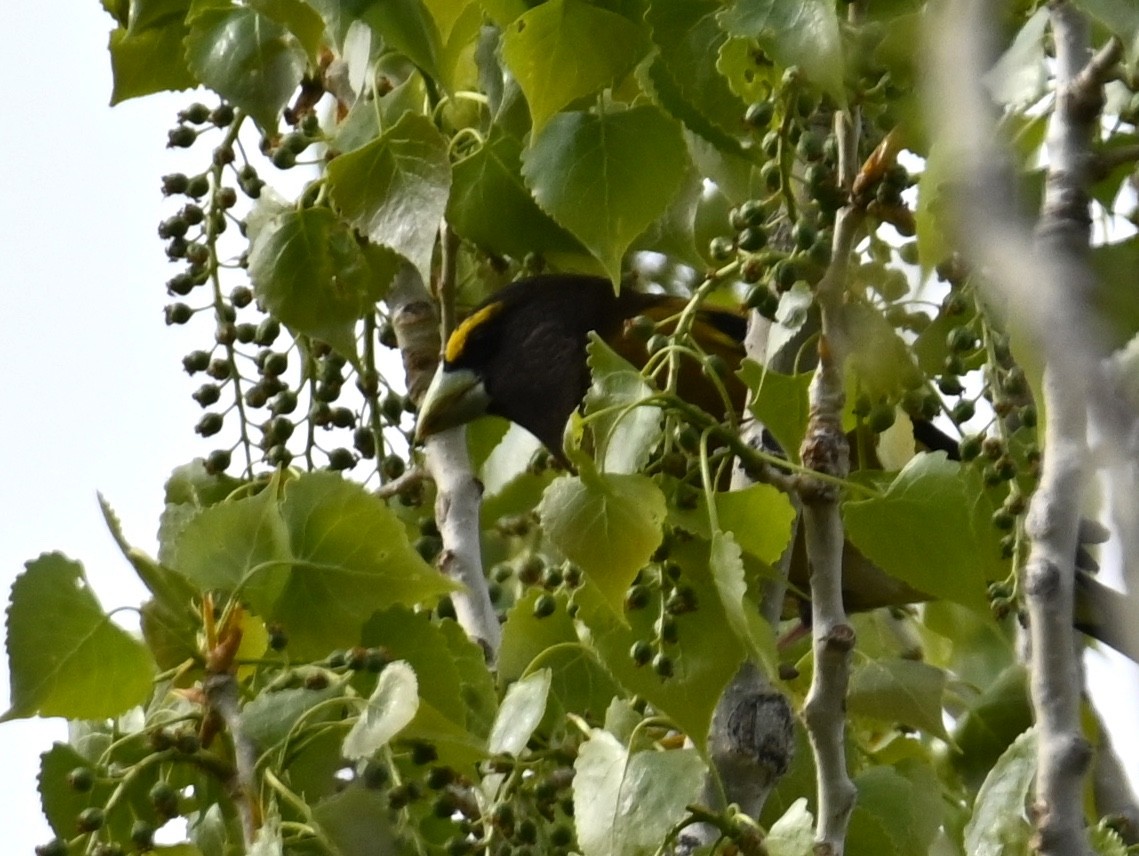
[(490, 179), (350, 557), (1119, 17), (934, 217), (685, 74), (519, 714), (950, 550), (149, 59), (298, 18), (66, 657), (247, 58), (626, 802), (525, 637), (899, 691), (392, 705), (998, 825), (898, 810), (625, 434), (804, 34), (727, 568), (992, 722), (395, 188), (705, 656), (408, 27), (357, 822), (607, 177), (310, 273), (879, 359), (1019, 77), (608, 524), (426, 648), (780, 402), (272, 717), (566, 49), (238, 543), (1113, 297), (476, 682)]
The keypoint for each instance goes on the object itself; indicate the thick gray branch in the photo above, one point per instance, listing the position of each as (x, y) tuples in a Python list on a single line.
[(458, 492)]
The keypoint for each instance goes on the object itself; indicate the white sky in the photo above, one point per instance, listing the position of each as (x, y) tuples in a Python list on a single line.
[(92, 384)]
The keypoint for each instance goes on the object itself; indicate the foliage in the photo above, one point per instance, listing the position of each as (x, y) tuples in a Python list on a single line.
[(680, 144)]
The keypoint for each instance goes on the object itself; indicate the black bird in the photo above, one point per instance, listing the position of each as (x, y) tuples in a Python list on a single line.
[(522, 354)]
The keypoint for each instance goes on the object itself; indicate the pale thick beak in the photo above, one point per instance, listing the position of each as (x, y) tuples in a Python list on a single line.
[(455, 397)]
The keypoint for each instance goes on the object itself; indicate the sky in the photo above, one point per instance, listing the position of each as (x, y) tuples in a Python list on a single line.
[(92, 380)]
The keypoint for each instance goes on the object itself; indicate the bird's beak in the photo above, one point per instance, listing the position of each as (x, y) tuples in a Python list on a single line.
[(455, 397)]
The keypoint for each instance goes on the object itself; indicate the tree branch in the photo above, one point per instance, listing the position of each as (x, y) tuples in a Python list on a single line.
[(825, 450), (1047, 278), (458, 491)]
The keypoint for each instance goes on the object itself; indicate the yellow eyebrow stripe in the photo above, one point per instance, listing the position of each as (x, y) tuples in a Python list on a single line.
[(458, 341)]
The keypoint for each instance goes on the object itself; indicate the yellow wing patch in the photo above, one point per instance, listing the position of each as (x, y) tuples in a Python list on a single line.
[(458, 341)]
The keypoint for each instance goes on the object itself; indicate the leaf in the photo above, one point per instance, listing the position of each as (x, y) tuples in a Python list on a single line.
[(685, 74), (350, 557), (476, 682), (425, 647), (1019, 77), (298, 18), (407, 26), (519, 714), (390, 708), (998, 825), (706, 655), (1120, 17), (311, 274), (357, 822), (607, 177), (895, 813), (804, 34), (879, 358), (147, 55), (247, 58), (272, 717), (793, 834), (625, 803), (727, 568), (934, 217), (65, 655), (608, 524), (899, 691), (394, 189), (950, 549), (780, 402), (224, 545), (490, 179), (992, 723), (625, 434), (563, 50)]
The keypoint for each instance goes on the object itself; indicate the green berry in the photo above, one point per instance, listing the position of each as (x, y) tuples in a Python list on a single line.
[(881, 417), (340, 459), (181, 137), (545, 606), (90, 819), (663, 665), (81, 779), (720, 249), (752, 238), (218, 461), (209, 424), (759, 115), (142, 835)]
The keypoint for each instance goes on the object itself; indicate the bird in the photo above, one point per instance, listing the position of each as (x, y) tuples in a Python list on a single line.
[(522, 355)]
